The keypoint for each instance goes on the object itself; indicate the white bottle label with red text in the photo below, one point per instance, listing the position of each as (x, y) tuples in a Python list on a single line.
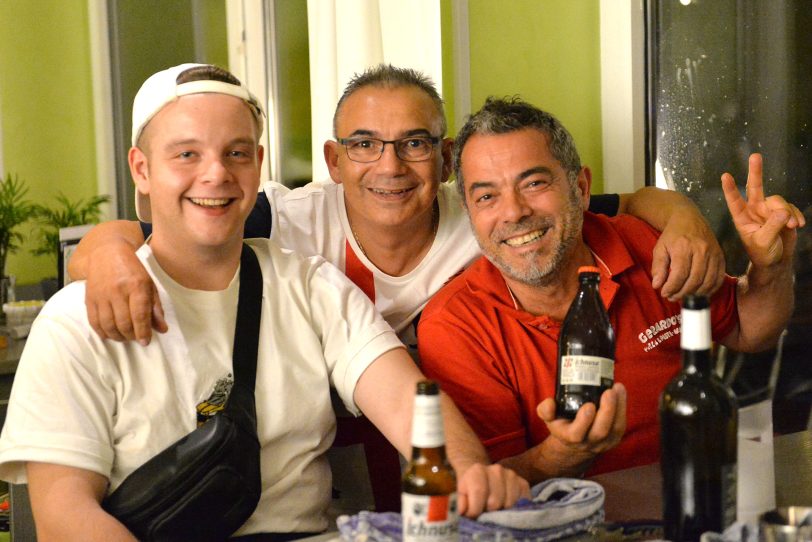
[(429, 518), (586, 370)]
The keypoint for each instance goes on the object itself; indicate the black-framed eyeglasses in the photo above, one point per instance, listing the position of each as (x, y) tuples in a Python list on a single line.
[(409, 149)]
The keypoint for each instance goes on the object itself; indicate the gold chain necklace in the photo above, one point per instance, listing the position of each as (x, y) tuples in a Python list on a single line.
[(435, 224)]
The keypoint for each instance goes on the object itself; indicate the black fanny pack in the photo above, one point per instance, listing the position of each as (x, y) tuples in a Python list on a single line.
[(207, 484)]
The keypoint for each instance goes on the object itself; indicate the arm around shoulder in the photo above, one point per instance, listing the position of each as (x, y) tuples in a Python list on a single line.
[(112, 235)]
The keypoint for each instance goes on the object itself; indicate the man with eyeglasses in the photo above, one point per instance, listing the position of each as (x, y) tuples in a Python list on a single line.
[(388, 219)]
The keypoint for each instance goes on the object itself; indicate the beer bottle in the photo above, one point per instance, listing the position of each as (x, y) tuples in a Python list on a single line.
[(698, 437), (429, 485), (586, 349)]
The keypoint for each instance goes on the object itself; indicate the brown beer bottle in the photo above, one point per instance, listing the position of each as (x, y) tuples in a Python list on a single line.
[(429, 485), (586, 349), (698, 435)]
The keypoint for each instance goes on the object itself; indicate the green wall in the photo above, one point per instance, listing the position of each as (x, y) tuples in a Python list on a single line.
[(46, 99), (548, 51)]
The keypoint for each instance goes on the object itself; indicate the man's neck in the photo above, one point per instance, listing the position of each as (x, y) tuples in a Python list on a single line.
[(200, 268), (396, 250), (554, 299)]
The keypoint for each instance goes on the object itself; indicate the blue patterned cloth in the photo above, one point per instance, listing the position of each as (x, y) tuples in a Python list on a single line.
[(559, 507)]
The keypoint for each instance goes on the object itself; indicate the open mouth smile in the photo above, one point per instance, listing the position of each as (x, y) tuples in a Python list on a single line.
[(382, 192), (211, 202), (525, 239)]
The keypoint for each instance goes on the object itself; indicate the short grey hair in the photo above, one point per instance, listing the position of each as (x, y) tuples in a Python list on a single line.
[(388, 76), (511, 114)]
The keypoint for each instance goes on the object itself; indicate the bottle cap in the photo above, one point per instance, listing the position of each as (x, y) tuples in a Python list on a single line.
[(588, 269)]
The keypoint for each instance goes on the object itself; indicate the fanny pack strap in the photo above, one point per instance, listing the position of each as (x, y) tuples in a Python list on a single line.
[(241, 405)]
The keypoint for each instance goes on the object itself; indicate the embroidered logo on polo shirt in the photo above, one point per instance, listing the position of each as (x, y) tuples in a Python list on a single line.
[(660, 331)]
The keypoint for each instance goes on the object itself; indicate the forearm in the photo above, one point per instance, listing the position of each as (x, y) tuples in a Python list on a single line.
[(658, 207), (54, 489), (102, 236), (765, 301), (548, 460), (462, 444)]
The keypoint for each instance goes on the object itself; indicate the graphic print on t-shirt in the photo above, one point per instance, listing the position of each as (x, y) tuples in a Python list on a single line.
[(216, 400)]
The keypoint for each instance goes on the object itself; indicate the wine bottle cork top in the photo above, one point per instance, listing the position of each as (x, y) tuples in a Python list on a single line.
[(588, 269)]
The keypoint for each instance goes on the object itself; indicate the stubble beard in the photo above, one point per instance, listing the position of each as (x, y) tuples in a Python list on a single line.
[(533, 272)]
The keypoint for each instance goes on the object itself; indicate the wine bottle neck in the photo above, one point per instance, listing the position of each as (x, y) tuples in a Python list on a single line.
[(696, 340)]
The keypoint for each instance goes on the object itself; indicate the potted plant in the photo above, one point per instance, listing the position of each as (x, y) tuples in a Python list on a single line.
[(15, 209), (65, 213)]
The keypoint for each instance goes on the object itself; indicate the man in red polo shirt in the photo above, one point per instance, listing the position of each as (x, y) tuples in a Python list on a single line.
[(490, 335)]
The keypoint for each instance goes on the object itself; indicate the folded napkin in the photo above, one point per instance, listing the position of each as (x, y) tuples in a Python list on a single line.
[(559, 507)]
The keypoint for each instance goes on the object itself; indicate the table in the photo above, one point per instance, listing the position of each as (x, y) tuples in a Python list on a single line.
[(636, 493)]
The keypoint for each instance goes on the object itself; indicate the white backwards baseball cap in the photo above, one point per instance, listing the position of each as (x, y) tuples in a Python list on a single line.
[(163, 88)]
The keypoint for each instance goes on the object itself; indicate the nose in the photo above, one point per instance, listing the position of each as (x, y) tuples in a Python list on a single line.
[(513, 207), (215, 170), (389, 163)]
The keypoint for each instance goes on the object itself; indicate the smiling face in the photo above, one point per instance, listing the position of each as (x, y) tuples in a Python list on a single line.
[(199, 163), (389, 192), (526, 214)]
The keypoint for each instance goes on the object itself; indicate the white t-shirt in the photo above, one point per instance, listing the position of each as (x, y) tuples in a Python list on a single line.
[(108, 406), (312, 220)]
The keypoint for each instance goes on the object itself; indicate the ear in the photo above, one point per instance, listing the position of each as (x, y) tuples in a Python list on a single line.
[(447, 146), (331, 151), (139, 169), (584, 185)]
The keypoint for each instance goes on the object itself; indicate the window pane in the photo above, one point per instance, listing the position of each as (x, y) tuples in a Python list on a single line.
[(728, 78)]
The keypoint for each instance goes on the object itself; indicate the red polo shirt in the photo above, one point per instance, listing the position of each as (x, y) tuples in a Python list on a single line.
[(498, 362)]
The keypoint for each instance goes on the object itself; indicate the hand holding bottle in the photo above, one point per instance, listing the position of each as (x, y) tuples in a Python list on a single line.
[(573, 444)]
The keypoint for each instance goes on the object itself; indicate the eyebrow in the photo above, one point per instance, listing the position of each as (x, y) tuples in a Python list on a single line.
[(194, 141), (409, 133), (520, 177)]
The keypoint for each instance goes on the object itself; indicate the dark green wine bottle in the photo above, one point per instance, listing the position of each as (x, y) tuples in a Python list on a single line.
[(698, 437)]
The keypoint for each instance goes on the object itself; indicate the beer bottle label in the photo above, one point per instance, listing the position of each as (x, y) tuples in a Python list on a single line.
[(586, 370), (429, 518)]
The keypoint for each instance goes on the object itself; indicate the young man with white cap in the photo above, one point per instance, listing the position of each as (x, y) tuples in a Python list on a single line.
[(85, 412)]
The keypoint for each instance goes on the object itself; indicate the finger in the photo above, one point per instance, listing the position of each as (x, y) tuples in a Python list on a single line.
[(107, 322), (735, 203), (755, 186), (771, 229), (546, 410), (620, 414), (604, 419), (123, 321), (93, 319), (714, 275), (679, 273), (695, 278), (659, 265), (474, 486), (158, 318), (797, 220), (497, 487), (517, 488), (462, 503), (140, 315)]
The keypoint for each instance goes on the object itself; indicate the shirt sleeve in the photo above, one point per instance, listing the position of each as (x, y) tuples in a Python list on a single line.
[(460, 359), (605, 204), (60, 410), (353, 334)]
